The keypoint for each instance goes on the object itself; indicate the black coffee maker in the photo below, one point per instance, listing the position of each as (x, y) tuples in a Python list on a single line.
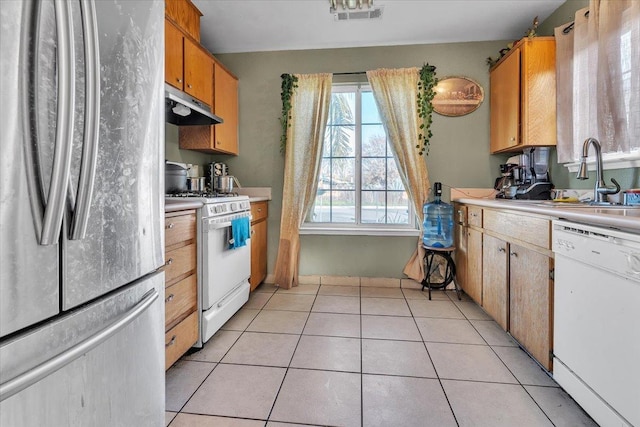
[(525, 176), (508, 181), (536, 183)]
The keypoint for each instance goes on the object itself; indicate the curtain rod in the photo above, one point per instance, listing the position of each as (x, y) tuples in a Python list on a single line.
[(569, 27), (350, 73)]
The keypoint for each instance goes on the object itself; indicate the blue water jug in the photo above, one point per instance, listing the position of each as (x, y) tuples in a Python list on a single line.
[(438, 221)]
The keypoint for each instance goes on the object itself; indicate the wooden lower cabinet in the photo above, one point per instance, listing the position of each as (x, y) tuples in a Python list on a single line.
[(180, 300), (181, 285), (474, 265), (531, 302), (259, 213), (461, 255), (495, 284), (507, 267), (180, 338)]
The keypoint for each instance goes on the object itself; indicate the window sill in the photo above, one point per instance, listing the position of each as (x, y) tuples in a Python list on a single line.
[(359, 231), (609, 163)]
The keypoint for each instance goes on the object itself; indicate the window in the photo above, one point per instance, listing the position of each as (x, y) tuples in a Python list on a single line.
[(600, 91), (359, 187)]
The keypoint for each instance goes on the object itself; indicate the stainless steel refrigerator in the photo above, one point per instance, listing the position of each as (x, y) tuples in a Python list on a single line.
[(81, 192)]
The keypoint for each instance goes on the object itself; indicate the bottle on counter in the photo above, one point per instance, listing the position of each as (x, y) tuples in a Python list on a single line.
[(438, 221)]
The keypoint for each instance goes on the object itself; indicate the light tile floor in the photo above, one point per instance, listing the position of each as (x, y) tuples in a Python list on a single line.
[(337, 355)]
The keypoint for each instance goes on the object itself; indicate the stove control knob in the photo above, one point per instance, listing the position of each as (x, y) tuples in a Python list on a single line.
[(217, 209), (234, 207)]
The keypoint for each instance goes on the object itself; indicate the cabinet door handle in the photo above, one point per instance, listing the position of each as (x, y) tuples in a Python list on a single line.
[(179, 80), (513, 254), (513, 138), (170, 226), (171, 342), (169, 298), (259, 210), (190, 87), (169, 261), (501, 250)]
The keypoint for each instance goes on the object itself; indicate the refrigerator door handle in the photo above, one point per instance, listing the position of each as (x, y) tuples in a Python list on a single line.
[(64, 125), (91, 119), (47, 368)]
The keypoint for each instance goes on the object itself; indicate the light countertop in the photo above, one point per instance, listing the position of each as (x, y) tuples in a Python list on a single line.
[(181, 205), (620, 217), (258, 199), (256, 194)]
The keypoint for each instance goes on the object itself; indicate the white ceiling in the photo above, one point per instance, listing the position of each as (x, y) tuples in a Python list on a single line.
[(229, 26)]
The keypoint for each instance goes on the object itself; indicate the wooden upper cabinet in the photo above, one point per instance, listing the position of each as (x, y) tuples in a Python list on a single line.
[(505, 104), (198, 72), (523, 96), (186, 15), (188, 66), (226, 106), (222, 138), (173, 55)]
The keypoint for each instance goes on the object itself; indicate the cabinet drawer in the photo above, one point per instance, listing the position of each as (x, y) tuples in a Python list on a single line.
[(180, 339), (474, 216), (181, 299), (179, 262), (536, 231), (259, 211), (179, 228)]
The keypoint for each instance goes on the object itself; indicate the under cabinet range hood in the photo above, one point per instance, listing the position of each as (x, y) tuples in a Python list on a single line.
[(183, 110)]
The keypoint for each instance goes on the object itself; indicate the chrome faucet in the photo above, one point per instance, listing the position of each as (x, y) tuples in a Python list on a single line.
[(601, 189)]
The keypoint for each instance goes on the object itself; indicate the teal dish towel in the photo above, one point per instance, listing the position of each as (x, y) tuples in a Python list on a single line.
[(240, 230)]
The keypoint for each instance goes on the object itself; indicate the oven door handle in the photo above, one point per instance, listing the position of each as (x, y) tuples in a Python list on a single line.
[(213, 226)]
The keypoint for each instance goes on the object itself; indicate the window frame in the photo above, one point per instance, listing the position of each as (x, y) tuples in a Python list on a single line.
[(358, 227)]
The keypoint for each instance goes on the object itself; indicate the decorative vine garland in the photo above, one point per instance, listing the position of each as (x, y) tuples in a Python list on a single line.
[(426, 93), (288, 84)]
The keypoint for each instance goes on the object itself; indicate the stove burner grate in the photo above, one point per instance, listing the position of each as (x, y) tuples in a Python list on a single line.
[(203, 194)]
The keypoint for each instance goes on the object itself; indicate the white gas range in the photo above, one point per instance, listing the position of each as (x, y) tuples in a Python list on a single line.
[(223, 271)]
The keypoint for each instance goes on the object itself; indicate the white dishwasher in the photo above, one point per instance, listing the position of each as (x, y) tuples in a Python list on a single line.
[(597, 320)]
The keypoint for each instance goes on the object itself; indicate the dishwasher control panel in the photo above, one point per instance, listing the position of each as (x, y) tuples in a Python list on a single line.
[(612, 250)]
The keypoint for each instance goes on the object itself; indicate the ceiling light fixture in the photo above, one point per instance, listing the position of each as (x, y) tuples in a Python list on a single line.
[(350, 4), (349, 10)]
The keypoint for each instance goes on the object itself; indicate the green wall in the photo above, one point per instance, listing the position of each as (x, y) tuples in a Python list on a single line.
[(459, 154)]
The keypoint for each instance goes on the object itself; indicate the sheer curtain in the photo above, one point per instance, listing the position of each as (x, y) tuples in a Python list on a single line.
[(310, 107), (395, 92), (598, 78)]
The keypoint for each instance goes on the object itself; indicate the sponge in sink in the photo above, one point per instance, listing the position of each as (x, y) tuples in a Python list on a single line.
[(567, 200)]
